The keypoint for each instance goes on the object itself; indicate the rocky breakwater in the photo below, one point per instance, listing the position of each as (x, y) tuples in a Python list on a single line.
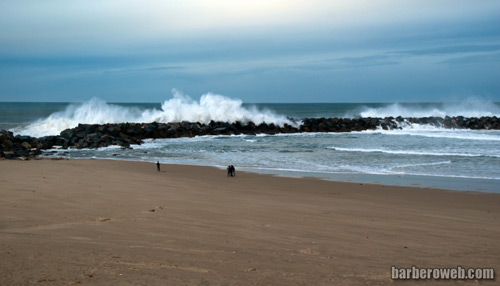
[(457, 122), (26, 147), (22, 147), (125, 134)]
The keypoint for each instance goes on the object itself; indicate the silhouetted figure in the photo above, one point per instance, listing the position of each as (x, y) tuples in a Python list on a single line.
[(233, 171), (158, 166)]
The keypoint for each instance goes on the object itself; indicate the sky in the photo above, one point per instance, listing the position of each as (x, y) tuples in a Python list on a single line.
[(254, 50)]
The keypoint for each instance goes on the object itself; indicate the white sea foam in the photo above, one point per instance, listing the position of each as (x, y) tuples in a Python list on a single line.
[(423, 164), (471, 107), (438, 132), (94, 111), (211, 107), (408, 152), (179, 108)]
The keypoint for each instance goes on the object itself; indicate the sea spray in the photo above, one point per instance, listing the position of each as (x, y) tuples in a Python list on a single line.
[(210, 107), (471, 107), (179, 108), (93, 111)]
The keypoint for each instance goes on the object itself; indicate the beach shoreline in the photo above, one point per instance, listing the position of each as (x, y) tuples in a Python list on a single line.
[(461, 184), (464, 184), (103, 222)]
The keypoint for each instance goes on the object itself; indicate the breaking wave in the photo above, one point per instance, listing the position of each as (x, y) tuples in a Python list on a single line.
[(471, 107), (430, 131), (410, 152), (179, 108)]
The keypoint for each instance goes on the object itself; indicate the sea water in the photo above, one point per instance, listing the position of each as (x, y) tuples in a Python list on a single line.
[(420, 155)]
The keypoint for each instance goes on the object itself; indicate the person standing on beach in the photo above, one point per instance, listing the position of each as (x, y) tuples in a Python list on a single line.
[(158, 166), (233, 171)]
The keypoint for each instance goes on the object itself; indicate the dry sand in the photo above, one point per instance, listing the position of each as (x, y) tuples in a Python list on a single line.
[(98, 222)]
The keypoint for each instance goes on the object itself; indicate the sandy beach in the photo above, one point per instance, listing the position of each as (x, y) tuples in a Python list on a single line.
[(103, 222)]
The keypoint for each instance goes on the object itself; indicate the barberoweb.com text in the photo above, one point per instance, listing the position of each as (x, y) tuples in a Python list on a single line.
[(457, 273)]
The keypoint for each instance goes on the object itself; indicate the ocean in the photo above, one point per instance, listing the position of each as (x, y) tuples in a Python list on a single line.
[(415, 155)]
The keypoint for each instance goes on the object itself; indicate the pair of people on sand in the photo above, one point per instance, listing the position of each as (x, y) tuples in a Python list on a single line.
[(231, 171)]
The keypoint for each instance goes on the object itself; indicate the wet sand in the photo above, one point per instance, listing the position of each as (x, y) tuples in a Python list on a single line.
[(100, 222)]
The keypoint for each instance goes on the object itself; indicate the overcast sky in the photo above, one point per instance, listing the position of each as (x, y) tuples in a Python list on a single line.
[(255, 50)]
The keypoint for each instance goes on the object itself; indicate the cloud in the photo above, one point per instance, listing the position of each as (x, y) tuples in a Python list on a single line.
[(445, 50), (95, 47), (144, 69), (371, 60), (473, 60), (65, 26)]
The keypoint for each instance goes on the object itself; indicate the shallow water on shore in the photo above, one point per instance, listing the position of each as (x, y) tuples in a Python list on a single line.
[(418, 181), (430, 155)]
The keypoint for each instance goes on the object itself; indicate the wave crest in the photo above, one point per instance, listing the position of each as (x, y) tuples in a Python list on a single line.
[(471, 107), (211, 107)]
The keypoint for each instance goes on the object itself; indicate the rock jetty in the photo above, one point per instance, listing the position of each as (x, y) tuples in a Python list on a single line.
[(125, 134)]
